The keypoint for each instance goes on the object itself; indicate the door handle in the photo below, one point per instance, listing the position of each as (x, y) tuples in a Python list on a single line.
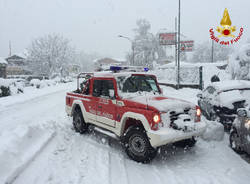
[(99, 106)]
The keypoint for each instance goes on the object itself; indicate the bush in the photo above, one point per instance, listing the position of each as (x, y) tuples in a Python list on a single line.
[(35, 82), (4, 91)]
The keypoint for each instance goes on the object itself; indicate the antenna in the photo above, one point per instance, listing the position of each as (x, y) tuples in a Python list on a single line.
[(146, 99), (9, 48)]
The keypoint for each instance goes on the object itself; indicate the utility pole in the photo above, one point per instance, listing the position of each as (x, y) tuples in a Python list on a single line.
[(175, 41), (212, 54), (178, 61)]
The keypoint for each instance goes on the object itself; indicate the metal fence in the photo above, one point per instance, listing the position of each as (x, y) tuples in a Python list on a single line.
[(190, 77)]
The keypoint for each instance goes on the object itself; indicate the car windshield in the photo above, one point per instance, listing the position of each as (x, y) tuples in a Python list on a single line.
[(137, 83)]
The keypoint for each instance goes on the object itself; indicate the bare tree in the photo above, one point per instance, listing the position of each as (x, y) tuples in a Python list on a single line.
[(50, 54)]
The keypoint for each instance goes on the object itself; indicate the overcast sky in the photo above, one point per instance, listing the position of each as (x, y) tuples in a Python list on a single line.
[(93, 25)]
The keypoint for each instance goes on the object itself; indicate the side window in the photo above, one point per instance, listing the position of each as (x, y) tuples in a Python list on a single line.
[(97, 87), (102, 87), (86, 89), (129, 85), (106, 86)]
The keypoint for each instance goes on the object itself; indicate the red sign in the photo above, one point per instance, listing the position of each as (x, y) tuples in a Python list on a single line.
[(187, 46), (167, 38)]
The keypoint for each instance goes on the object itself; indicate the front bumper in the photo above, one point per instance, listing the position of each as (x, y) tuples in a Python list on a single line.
[(169, 135)]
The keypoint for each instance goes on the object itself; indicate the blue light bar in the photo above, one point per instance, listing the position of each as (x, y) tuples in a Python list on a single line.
[(128, 68), (115, 68)]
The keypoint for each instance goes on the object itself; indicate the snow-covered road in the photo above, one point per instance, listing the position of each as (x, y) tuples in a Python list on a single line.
[(38, 145)]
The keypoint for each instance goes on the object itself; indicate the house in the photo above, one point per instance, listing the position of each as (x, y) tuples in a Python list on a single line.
[(17, 65), (105, 63), (3, 66)]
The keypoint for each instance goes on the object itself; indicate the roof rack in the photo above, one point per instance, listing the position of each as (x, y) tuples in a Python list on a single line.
[(85, 75)]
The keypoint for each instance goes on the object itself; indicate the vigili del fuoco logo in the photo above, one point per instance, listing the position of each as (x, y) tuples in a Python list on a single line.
[(226, 31)]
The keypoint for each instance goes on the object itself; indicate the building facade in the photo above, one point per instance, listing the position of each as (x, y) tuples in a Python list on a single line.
[(3, 66), (17, 65)]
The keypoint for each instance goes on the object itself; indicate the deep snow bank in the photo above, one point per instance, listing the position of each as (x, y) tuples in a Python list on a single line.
[(18, 148), (214, 131)]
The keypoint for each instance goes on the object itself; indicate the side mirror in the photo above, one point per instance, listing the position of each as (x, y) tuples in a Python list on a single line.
[(199, 95), (112, 93), (161, 90), (242, 112)]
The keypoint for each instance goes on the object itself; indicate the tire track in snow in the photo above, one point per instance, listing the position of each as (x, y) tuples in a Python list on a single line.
[(20, 169), (118, 169)]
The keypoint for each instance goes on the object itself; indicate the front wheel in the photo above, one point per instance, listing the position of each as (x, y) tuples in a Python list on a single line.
[(78, 122), (137, 145)]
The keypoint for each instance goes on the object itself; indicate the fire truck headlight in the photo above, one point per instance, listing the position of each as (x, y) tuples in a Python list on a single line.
[(156, 118), (198, 112)]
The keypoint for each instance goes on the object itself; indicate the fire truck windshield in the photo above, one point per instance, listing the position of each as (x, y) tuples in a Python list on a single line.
[(137, 83)]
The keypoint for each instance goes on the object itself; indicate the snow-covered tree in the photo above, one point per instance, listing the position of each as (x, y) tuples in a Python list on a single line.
[(203, 53), (146, 45), (50, 54), (86, 61), (239, 63)]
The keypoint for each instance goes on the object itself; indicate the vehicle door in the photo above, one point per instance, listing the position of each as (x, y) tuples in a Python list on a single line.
[(105, 104), (245, 133), (89, 103)]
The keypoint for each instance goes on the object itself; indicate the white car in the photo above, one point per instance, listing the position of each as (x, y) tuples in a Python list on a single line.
[(220, 100)]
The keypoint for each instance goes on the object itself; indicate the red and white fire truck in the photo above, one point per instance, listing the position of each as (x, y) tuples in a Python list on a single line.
[(131, 107)]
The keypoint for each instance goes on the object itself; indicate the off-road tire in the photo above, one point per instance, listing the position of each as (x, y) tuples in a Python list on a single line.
[(186, 143), (233, 144), (78, 122), (137, 145)]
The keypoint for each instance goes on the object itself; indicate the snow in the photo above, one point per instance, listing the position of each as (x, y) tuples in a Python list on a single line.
[(163, 104), (19, 148), (3, 61), (226, 99), (35, 82), (214, 131), (190, 73), (31, 93), (231, 84), (5, 82), (244, 53), (38, 145), (239, 63), (230, 91)]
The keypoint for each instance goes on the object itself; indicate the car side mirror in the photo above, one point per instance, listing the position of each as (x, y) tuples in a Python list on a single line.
[(242, 112), (199, 95), (112, 93), (161, 90)]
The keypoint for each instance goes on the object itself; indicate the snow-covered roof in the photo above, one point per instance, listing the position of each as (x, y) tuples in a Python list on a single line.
[(231, 84), (3, 61), (120, 59)]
